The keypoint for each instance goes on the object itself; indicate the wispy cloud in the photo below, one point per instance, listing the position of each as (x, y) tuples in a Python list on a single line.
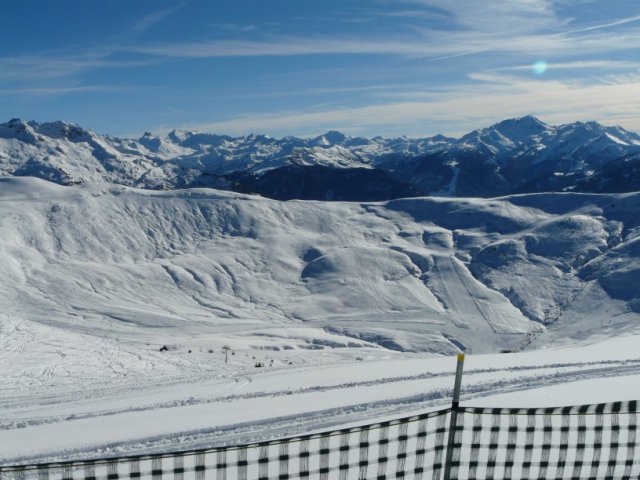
[(153, 18), (521, 27), (505, 16), (54, 91), (430, 13), (66, 63), (327, 90), (234, 27), (425, 47), (280, 46), (476, 103), (579, 64), (57, 65), (467, 27), (621, 21)]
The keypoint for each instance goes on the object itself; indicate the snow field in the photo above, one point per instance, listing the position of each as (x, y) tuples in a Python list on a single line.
[(353, 310)]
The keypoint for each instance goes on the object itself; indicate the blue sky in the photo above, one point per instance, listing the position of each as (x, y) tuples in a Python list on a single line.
[(298, 67)]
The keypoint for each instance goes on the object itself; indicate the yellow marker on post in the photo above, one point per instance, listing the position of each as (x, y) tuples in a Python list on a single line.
[(458, 382)]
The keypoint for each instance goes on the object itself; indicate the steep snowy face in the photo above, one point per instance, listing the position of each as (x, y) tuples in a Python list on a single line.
[(622, 175), (588, 145), (527, 155), (18, 129), (65, 153), (59, 130), (523, 129), (412, 275), (513, 156), (510, 138)]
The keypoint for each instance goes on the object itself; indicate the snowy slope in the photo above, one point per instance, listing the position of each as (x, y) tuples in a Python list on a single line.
[(422, 274), (329, 297)]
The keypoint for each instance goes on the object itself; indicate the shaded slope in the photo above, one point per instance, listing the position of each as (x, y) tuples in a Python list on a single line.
[(325, 183)]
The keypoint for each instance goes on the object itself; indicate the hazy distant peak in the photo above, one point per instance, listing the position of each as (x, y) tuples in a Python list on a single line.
[(512, 130), (527, 124), (60, 129), (332, 137), (520, 154)]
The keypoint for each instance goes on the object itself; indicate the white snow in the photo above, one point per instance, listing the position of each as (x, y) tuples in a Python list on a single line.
[(518, 148), (178, 412), (354, 310), (615, 139)]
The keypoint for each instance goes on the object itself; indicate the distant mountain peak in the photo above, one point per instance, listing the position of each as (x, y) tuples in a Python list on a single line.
[(335, 134), (252, 137), (18, 129), (14, 122), (61, 129), (527, 122), (519, 129), (332, 137), (440, 138), (521, 154), (179, 135)]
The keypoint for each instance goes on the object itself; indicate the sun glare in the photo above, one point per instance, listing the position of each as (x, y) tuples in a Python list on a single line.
[(539, 67)]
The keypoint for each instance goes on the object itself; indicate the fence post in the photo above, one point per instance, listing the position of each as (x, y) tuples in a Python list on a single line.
[(454, 417)]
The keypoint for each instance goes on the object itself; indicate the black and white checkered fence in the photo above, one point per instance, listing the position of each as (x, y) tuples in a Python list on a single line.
[(583, 442), (411, 447)]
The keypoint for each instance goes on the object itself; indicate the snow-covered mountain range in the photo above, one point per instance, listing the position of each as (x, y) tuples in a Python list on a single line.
[(116, 302), (518, 155), (424, 274)]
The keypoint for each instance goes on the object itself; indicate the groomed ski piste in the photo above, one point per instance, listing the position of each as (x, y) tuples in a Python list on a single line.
[(335, 314)]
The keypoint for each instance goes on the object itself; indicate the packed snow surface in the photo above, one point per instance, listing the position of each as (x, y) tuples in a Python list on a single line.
[(116, 304)]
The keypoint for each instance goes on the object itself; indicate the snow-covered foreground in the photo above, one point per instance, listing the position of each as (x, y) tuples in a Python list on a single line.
[(334, 313), (204, 411)]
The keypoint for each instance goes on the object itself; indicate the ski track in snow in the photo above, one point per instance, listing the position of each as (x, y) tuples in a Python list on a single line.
[(582, 370), (477, 385)]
